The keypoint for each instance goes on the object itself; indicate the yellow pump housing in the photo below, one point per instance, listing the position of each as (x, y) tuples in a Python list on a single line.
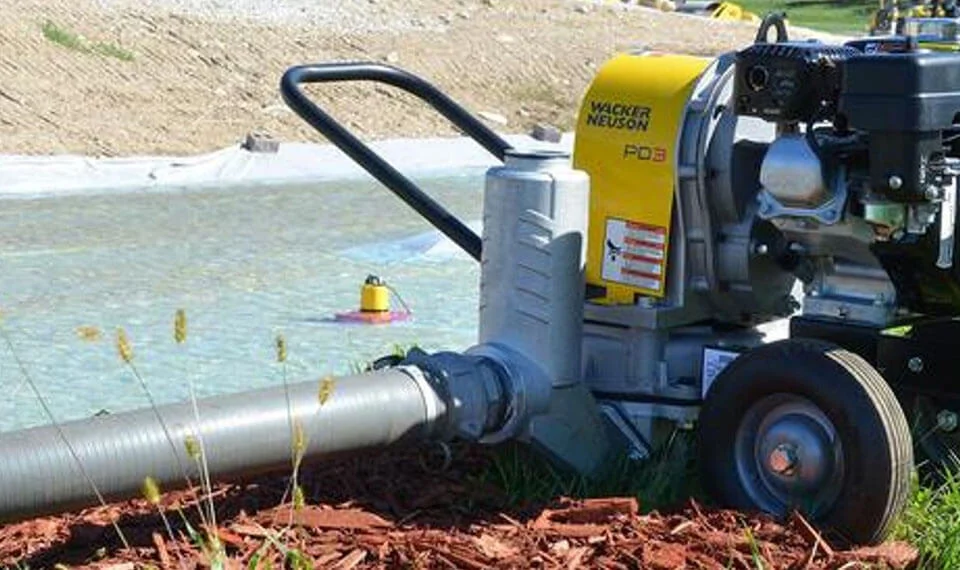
[(626, 138)]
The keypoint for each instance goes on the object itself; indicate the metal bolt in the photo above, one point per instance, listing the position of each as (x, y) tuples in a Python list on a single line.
[(932, 193), (783, 459), (791, 303), (947, 421), (915, 365), (895, 182)]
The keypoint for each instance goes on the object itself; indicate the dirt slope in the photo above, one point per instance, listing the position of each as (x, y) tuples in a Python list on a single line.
[(203, 72)]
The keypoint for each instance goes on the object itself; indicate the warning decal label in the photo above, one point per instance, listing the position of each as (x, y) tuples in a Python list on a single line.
[(634, 254)]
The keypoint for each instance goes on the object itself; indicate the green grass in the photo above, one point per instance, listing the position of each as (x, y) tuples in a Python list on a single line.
[(112, 50), (75, 42), (62, 37), (664, 480), (837, 16), (932, 524)]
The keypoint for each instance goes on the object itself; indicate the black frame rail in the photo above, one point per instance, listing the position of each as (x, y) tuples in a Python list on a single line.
[(363, 155)]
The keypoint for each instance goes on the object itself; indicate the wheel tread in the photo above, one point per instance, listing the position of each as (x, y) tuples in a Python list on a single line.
[(898, 431)]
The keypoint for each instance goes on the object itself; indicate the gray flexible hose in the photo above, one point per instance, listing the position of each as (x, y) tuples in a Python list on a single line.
[(244, 433)]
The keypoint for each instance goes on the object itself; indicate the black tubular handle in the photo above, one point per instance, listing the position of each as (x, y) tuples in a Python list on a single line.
[(369, 160), (777, 20)]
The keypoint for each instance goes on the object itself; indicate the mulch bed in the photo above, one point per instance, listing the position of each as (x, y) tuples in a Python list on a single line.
[(389, 510)]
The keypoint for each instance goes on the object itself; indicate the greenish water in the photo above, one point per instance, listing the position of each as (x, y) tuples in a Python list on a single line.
[(245, 264)]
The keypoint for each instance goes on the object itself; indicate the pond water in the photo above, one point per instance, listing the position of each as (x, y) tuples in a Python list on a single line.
[(246, 264)]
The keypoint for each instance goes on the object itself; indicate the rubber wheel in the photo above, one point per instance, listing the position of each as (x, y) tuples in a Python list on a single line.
[(802, 424)]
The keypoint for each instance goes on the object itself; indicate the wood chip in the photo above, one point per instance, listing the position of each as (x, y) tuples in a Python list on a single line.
[(326, 559), (351, 560), (585, 519), (162, 554), (570, 530), (249, 530), (574, 558), (314, 517), (494, 548)]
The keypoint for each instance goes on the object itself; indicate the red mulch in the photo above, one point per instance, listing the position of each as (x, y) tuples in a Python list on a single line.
[(384, 510)]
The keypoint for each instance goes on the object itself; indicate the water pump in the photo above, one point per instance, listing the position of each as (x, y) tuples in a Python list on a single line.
[(759, 246)]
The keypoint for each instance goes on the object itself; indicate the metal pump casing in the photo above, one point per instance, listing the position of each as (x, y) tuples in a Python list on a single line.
[(535, 211), (660, 211)]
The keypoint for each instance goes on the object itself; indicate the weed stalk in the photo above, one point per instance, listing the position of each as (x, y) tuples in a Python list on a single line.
[(60, 433), (195, 448)]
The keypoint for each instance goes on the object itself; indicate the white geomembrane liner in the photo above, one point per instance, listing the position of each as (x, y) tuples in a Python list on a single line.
[(39, 176)]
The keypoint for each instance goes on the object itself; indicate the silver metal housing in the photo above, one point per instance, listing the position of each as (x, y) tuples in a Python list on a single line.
[(792, 173), (794, 183), (536, 211)]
